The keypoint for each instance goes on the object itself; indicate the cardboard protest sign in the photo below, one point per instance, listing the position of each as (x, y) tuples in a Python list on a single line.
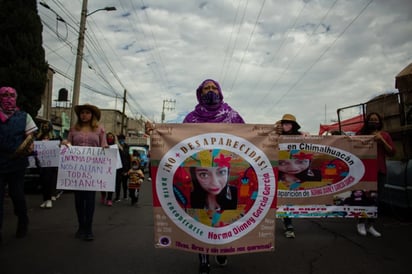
[(47, 152), (214, 187), (87, 168), (327, 176), (119, 160)]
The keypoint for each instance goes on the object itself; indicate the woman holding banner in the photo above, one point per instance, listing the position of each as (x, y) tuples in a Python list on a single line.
[(210, 109), (86, 132), (373, 126), (288, 126)]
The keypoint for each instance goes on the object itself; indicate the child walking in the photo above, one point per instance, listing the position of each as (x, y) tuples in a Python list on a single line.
[(136, 177)]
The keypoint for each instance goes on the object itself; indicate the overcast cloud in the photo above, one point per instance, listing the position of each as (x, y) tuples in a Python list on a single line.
[(307, 58)]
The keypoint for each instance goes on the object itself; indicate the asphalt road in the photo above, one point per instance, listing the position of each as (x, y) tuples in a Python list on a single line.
[(124, 244)]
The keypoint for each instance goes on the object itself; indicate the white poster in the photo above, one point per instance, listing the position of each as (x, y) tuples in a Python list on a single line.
[(87, 168), (47, 152)]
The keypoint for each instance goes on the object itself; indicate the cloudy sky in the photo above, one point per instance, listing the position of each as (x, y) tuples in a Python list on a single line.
[(304, 57)]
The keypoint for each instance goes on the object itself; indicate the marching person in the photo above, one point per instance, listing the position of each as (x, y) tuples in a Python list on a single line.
[(288, 126), (210, 109), (373, 126), (86, 132), (16, 143)]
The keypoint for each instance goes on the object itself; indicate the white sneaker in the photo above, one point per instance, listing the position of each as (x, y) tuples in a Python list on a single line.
[(290, 234), (361, 229), (49, 204), (43, 205), (374, 232), (53, 198)]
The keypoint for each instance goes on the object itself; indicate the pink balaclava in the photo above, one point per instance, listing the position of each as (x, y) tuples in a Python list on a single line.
[(8, 98)]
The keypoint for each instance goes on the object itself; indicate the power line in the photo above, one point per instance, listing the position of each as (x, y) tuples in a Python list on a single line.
[(247, 46), (235, 42), (283, 40), (321, 55), (263, 98)]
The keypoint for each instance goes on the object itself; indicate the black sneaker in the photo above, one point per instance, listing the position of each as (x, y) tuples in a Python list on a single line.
[(204, 268), (221, 260), (80, 234), (22, 227), (88, 237)]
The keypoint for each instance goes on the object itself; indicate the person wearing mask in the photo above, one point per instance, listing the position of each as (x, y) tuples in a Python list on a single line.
[(211, 108), (288, 126), (16, 143), (86, 132), (136, 178), (373, 126)]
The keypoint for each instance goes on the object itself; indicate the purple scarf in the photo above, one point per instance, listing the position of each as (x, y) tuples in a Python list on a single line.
[(218, 113)]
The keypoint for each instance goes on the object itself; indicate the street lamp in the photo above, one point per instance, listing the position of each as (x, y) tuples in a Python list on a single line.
[(79, 57)]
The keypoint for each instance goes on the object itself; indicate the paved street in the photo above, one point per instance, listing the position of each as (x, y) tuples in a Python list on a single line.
[(124, 244)]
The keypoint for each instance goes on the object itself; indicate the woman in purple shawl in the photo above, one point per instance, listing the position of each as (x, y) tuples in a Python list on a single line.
[(210, 107)]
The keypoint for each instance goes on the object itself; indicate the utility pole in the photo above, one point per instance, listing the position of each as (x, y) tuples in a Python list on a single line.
[(79, 61), (79, 57), (167, 105), (123, 112)]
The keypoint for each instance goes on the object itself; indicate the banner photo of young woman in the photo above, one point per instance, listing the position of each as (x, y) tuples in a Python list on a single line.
[(327, 176), (214, 187)]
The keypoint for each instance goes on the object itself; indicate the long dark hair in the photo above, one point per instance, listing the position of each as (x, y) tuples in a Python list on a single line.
[(366, 129), (45, 131), (294, 130), (198, 195)]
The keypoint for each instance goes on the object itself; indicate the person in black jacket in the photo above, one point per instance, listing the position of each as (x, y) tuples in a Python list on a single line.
[(121, 176), (16, 135)]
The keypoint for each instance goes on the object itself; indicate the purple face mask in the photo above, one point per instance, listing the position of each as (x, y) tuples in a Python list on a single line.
[(210, 98)]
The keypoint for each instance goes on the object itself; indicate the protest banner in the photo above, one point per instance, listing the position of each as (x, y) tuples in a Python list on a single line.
[(327, 176), (214, 188), (87, 168), (47, 153)]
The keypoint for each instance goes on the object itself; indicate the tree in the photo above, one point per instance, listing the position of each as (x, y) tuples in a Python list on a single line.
[(22, 57)]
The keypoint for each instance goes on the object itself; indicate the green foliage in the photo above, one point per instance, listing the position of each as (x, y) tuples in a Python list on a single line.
[(22, 62)]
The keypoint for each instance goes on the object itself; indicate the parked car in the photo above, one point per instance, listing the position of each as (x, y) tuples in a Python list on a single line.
[(143, 152)]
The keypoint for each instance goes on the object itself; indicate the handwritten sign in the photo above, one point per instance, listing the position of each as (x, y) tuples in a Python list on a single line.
[(47, 153), (119, 160), (87, 168)]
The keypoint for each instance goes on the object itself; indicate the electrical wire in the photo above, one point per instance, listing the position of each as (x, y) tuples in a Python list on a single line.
[(289, 90)]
